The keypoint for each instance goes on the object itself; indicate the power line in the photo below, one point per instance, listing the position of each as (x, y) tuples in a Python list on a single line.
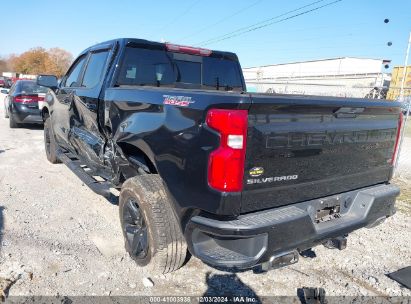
[(272, 44), (256, 26), (252, 42), (264, 21), (334, 46), (222, 19), (189, 8)]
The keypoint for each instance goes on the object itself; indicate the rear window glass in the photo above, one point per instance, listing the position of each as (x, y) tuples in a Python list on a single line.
[(220, 71), (159, 68), (145, 67), (188, 72), (30, 87)]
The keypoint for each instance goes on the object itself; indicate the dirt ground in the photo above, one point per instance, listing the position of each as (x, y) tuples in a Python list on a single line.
[(59, 238)]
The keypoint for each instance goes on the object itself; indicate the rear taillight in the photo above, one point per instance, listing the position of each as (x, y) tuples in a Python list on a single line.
[(397, 139), (226, 163), (24, 99), (188, 49)]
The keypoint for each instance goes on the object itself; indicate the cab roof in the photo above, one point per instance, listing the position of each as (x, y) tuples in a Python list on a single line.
[(149, 44)]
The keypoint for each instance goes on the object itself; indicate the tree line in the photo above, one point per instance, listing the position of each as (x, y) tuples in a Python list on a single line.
[(38, 60)]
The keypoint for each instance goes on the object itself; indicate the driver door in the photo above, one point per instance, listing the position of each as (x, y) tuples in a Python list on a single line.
[(63, 102), (85, 134)]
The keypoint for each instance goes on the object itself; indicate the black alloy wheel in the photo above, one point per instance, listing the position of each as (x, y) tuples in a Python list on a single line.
[(135, 229)]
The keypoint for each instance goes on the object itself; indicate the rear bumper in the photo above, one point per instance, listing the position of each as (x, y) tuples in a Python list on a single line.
[(24, 114), (254, 238)]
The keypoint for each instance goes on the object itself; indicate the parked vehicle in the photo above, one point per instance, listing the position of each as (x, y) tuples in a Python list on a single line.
[(22, 103), (8, 82), (405, 103), (4, 93), (241, 180), (3, 83), (377, 93)]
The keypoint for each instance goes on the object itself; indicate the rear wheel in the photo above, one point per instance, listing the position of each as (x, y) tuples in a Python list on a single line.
[(12, 123), (50, 142), (151, 230)]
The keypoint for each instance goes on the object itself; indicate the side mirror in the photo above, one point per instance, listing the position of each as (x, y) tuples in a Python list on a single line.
[(4, 92), (49, 81)]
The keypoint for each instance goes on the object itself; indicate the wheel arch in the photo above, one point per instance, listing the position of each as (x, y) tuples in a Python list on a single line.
[(45, 112), (146, 156), (140, 160)]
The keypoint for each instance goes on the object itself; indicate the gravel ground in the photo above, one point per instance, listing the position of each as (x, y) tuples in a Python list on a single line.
[(59, 238)]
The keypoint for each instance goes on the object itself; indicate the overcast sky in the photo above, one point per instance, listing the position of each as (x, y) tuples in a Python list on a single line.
[(346, 28)]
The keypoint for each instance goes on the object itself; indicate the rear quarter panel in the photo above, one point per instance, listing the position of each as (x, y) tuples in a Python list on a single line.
[(175, 139)]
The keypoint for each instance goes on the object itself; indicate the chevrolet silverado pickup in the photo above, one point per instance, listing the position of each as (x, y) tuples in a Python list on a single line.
[(237, 180)]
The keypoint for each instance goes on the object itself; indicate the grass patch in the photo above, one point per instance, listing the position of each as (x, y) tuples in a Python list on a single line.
[(405, 187), (405, 196), (407, 132), (404, 200), (403, 207)]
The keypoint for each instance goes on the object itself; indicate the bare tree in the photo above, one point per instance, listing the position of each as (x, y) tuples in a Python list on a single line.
[(38, 60), (61, 59), (3, 65)]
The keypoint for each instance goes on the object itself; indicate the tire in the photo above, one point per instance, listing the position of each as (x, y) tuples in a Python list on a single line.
[(159, 229), (50, 142), (12, 123)]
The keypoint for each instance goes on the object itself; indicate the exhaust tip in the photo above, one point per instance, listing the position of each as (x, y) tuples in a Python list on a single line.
[(281, 260)]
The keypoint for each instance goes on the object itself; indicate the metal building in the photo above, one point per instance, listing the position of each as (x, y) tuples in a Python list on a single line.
[(345, 77)]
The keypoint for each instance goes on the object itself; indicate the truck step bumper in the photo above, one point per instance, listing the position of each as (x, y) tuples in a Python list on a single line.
[(256, 238)]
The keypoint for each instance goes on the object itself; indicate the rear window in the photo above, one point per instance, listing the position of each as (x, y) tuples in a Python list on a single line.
[(188, 71), (147, 67), (30, 87)]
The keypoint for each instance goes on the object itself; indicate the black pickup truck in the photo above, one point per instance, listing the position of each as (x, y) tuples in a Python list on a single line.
[(238, 180)]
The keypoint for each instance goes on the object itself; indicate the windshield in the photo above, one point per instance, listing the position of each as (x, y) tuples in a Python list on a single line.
[(160, 68), (30, 87)]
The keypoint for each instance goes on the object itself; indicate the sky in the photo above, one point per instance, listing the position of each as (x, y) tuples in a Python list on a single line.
[(347, 28)]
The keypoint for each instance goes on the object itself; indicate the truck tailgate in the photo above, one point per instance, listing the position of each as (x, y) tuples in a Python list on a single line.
[(307, 147)]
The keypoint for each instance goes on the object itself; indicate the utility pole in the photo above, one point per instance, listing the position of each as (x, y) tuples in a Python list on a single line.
[(404, 75)]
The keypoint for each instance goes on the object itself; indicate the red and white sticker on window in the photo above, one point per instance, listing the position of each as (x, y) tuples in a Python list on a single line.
[(182, 101)]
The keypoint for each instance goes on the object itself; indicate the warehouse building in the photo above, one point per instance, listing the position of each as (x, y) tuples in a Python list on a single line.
[(344, 77)]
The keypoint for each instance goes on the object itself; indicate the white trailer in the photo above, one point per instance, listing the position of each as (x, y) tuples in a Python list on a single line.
[(344, 77)]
